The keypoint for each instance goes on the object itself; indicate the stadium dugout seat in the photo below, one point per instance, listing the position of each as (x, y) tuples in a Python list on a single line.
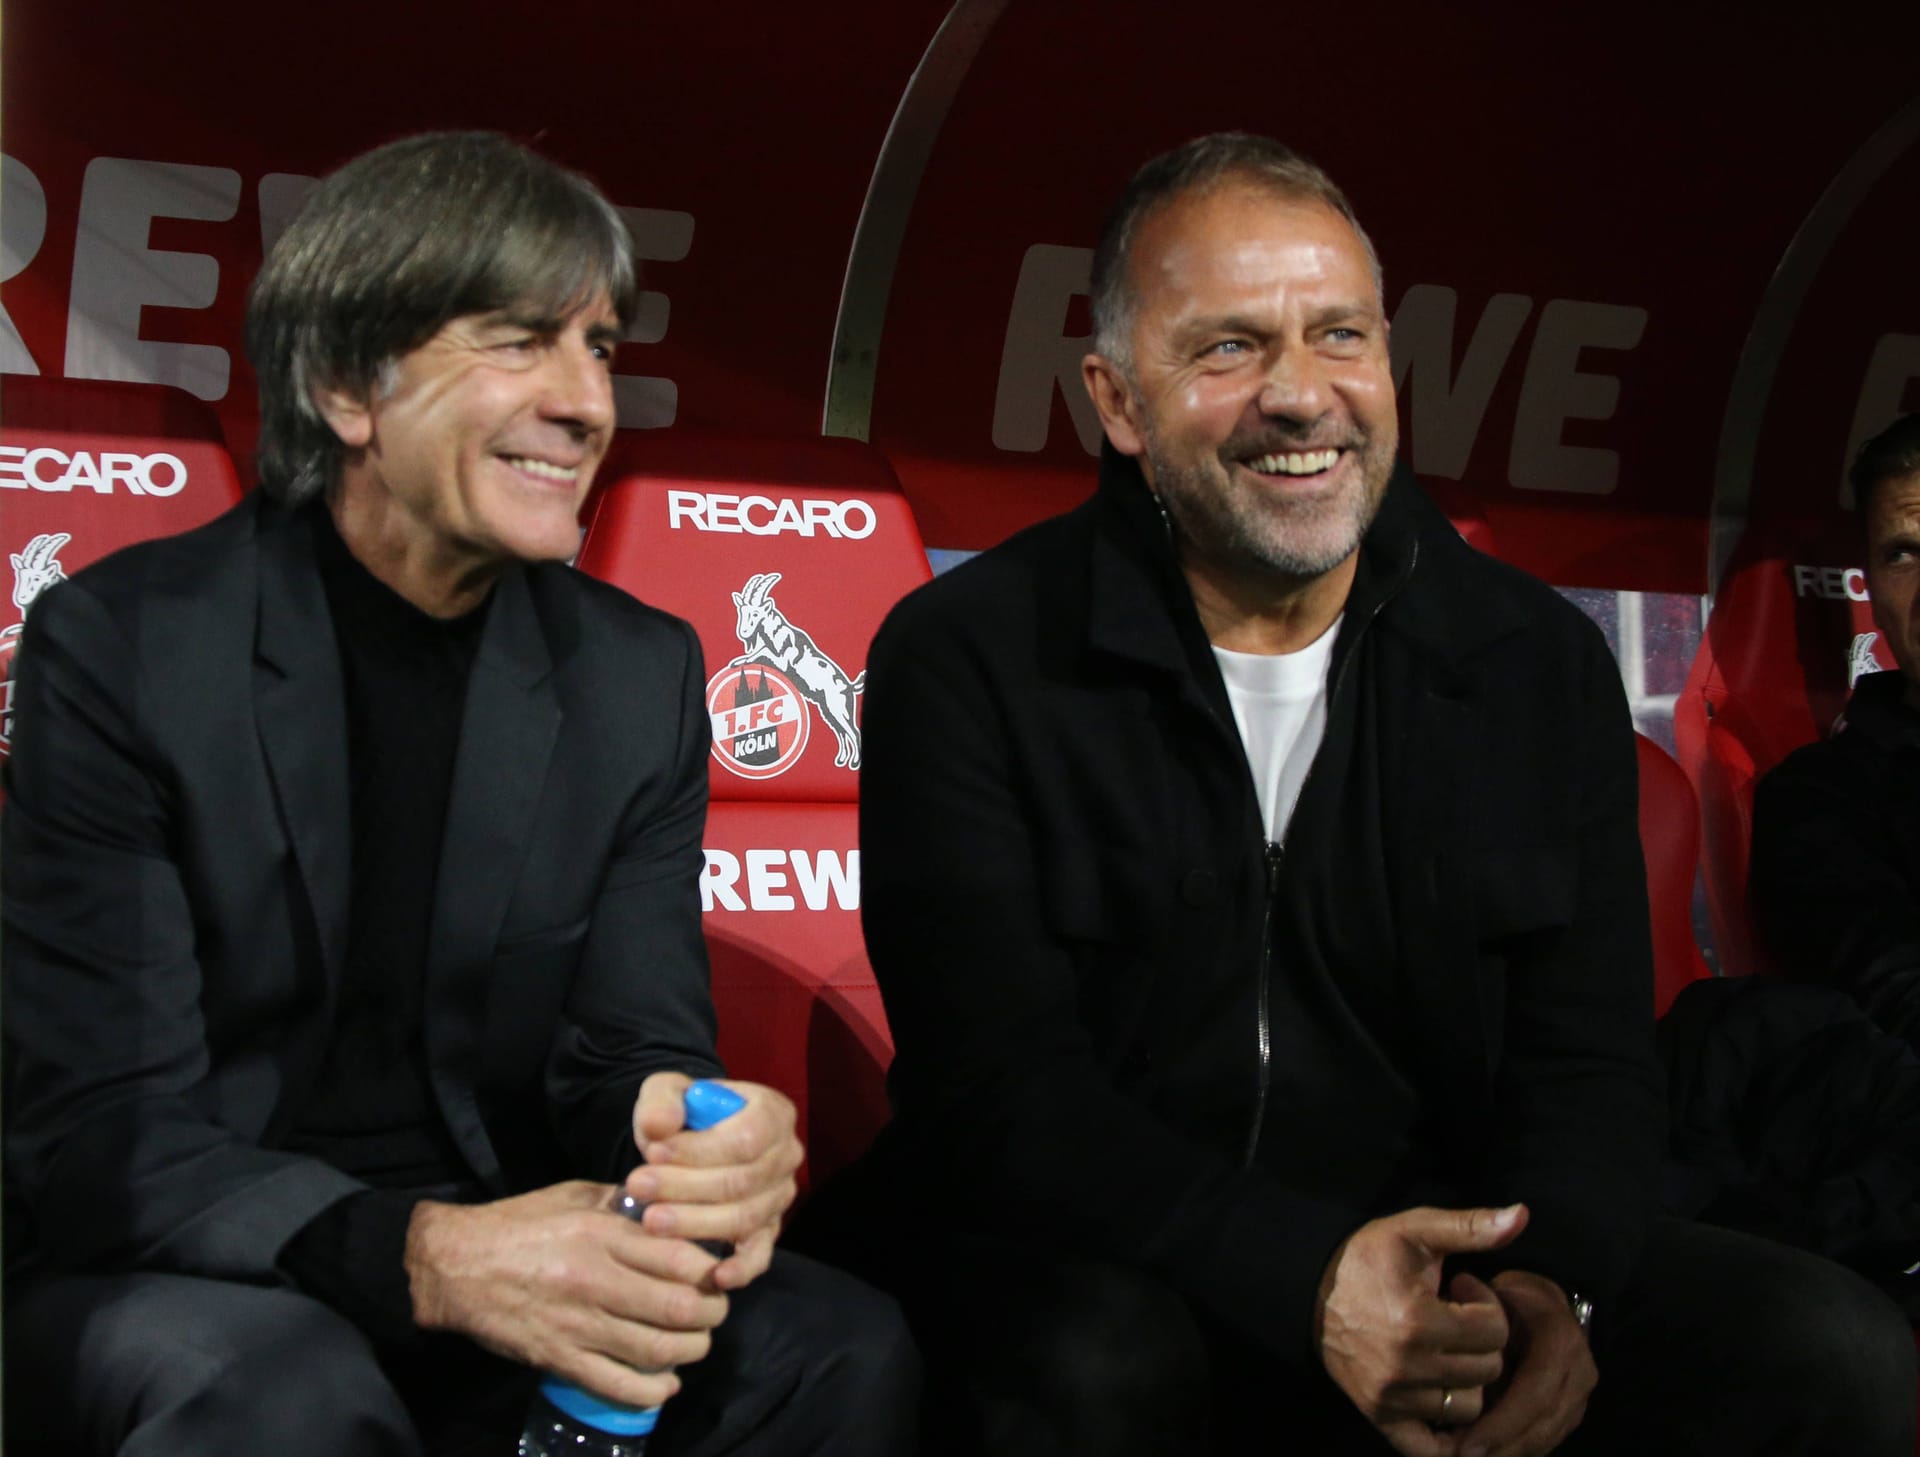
[(1668, 806), (1462, 509), (1789, 632), (90, 466), (785, 556), (1670, 839)]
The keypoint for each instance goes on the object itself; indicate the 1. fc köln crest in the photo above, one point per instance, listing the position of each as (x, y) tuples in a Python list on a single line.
[(34, 570), (759, 701)]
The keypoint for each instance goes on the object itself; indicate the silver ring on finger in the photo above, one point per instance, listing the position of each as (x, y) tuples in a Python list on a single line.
[(1446, 1403)]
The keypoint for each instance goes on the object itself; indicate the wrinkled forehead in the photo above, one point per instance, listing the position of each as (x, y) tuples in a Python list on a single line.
[(592, 310), (1237, 238), (1895, 509)]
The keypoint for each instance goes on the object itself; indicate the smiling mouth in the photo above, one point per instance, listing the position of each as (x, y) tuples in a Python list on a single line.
[(544, 469), (1294, 463)]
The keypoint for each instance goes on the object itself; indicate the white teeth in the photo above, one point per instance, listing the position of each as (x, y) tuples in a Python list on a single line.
[(1296, 463), (543, 468)]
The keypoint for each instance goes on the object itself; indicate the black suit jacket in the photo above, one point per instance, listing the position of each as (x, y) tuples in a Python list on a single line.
[(176, 849), (1065, 899), (1835, 875)]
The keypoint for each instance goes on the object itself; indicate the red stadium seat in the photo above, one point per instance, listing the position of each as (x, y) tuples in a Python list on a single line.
[(87, 467), (785, 556), (1462, 510), (797, 1001), (1670, 839), (1789, 631)]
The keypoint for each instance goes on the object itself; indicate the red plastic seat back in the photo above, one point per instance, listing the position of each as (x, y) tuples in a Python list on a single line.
[(1670, 840), (90, 466), (1463, 511), (785, 556), (1726, 804), (797, 1001), (1790, 630)]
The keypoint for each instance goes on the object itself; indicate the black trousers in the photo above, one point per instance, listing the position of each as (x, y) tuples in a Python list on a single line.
[(809, 1361), (1724, 1346)]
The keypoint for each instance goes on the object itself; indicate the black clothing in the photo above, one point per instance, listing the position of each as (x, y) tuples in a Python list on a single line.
[(1065, 898), (372, 1113), (1794, 1117), (204, 937), (1835, 875), (1340, 1034), (1722, 1346), (178, 815), (810, 1363)]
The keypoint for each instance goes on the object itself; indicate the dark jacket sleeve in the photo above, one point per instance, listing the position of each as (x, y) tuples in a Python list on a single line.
[(640, 1001), (352, 1256), (114, 1137), (1578, 1112), (1831, 882), (1021, 1131)]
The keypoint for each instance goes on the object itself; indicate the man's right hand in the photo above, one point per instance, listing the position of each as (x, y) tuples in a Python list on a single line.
[(1393, 1344), (555, 1280)]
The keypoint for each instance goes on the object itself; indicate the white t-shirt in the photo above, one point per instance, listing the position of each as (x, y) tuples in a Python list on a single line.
[(1280, 706)]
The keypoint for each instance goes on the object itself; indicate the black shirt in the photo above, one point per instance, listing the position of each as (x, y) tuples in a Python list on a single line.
[(372, 1111)]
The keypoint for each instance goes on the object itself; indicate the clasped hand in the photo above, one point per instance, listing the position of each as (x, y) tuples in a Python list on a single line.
[(730, 1182), (1499, 1370), (552, 1280)]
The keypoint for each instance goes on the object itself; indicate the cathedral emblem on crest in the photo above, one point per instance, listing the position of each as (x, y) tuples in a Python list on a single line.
[(758, 702)]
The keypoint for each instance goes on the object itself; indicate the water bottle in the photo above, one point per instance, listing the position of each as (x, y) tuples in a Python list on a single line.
[(565, 1419)]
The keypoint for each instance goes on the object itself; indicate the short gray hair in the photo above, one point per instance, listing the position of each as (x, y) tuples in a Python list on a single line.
[(1200, 166), (394, 246)]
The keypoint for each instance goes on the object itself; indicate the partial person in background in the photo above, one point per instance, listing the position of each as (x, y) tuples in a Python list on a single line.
[(1252, 873), (351, 924), (1835, 874)]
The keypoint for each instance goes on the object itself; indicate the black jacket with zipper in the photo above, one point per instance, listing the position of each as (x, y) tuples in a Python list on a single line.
[(1082, 940)]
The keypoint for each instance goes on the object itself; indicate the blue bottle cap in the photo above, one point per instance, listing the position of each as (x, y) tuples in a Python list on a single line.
[(603, 1416), (709, 1103)]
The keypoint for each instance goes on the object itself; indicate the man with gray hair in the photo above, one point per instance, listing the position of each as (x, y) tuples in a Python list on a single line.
[(353, 958), (1264, 935)]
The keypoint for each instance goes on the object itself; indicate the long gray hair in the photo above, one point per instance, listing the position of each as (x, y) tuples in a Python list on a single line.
[(391, 248)]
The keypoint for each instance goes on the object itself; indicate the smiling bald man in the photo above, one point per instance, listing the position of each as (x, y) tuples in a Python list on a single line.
[(1252, 873)]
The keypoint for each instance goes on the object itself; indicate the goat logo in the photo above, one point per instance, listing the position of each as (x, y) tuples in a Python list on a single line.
[(34, 570), (1861, 658), (758, 701), (37, 568)]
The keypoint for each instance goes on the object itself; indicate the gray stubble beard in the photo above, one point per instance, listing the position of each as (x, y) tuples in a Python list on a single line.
[(1202, 508)]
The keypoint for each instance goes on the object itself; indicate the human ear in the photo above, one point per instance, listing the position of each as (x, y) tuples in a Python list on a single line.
[(347, 414), (1114, 401)]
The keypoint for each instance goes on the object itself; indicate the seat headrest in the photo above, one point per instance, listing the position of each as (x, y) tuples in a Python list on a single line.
[(785, 556), (90, 466), (1790, 632), (104, 465)]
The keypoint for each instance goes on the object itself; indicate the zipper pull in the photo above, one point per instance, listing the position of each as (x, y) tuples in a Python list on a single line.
[(1276, 853)]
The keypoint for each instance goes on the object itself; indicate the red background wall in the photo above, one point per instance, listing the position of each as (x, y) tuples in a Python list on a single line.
[(1654, 161)]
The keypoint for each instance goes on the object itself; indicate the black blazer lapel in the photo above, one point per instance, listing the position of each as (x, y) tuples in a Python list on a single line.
[(300, 710), (507, 735)]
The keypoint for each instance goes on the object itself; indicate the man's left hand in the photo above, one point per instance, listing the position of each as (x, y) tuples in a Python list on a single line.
[(733, 1181), (1550, 1371)]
